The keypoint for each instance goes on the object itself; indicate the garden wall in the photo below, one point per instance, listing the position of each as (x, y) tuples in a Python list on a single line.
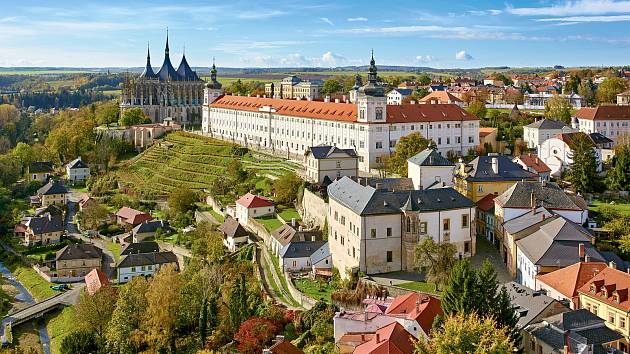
[(53, 279), (259, 230), (315, 209), (306, 301)]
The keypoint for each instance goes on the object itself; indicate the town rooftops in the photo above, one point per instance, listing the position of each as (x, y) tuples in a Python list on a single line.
[(506, 170), (533, 162), (79, 251), (390, 184), (40, 167), (254, 201), (286, 234), (528, 194), (611, 286), (568, 280), (143, 259), (46, 223), (403, 91), (430, 157), (232, 228), (604, 112), (422, 308), (486, 203), (133, 216), (326, 151), (392, 338), (301, 249), (440, 97), (95, 280), (548, 124), (76, 163), (409, 113), (140, 247), (531, 219), (485, 131), (150, 226), (528, 303), (366, 200), (52, 187), (596, 139)]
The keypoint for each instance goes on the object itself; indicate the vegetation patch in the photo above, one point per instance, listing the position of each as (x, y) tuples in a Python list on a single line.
[(320, 289), (59, 325), (271, 223), (420, 286)]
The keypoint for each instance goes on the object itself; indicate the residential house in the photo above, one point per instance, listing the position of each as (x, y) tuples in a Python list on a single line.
[(530, 305), (77, 170), (428, 168), (607, 295), (623, 98), (375, 230), (326, 163), (282, 346), (488, 139), (397, 95), (577, 331), (95, 280), (140, 247), (77, 260), (321, 263), (296, 256), (53, 192), (234, 235), (492, 174), (441, 97), (288, 233), (148, 229), (86, 201), (557, 152), (538, 132), (493, 81), (40, 171), (129, 218), (563, 284), (44, 230), (143, 264), (392, 338), (485, 219), (611, 121), (253, 206), (535, 165)]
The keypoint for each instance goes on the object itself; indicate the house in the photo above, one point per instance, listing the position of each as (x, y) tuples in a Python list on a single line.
[(234, 235), (375, 230), (40, 171), (419, 311), (441, 97), (330, 162), (321, 263), (623, 98), (610, 121), (557, 152), (492, 174), (86, 201), (253, 206), (349, 341), (296, 256), (44, 230), (288, 233), (281, 346), (577, 331), (148, 229), (143, 264), (77, 170), (143, 135), (397, 95), (392, 338), (19, 230), (95, 280), (140, 247), (77, 260), (492, 81), (535, 165), (606, 295), (129, 218), (538, 132), (530, 305), (485, 219), (429, 168), (563, 284), (488, 139), (53, 192)]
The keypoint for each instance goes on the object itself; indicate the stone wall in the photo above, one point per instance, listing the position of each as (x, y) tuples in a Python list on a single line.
[(259, 230), (306, 301), (52, 278), (315, 209)]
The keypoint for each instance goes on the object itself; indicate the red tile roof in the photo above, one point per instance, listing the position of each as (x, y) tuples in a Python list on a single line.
[(568, 280), (95, 280), (604, 112), (485, 131), (133, 216), (616, 281), (284, 347), (535, 163), (391, 339), (486, 203), (253, 201), (440, 97), (420, 307), (408, 113)]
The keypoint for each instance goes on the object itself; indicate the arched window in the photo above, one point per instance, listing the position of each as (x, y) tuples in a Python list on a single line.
[(408, 224)]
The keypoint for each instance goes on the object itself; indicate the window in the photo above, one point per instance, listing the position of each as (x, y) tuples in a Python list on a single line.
[(338, 164), (408, 224), (362, 114), (379, 144), (423, 228), (142, 268), (466, 246), (611, 317), (353, 253), (389, 256), (343, 220), (336, 216), (480, 188), (439, 141), (389, 232), (133, 269), (622, 322), (373, 233), (379, 113), (464, 221), (446, 224)]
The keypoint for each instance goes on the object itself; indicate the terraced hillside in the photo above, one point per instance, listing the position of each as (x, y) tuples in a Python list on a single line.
[(192, 161)]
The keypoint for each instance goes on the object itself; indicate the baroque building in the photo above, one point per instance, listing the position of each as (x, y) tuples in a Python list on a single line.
[(171, 93)]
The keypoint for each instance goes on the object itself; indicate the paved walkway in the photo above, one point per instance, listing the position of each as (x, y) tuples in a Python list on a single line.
[(485, 250)]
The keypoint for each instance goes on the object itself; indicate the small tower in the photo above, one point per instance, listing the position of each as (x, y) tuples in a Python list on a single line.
[(358, 82), (409, 231), (213, 87), (371, 101)]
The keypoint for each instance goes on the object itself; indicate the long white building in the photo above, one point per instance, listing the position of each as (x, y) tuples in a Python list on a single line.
[(370, 126)]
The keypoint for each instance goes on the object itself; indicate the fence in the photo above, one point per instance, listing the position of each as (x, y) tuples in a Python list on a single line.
[(393, 290), (259, 230)]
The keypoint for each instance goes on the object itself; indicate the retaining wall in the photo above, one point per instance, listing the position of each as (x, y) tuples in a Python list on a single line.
[(315, 209)]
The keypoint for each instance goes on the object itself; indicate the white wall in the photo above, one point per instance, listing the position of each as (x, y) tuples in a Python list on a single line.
[(526, 270), (243, 214), (424, 176), (295, 264)]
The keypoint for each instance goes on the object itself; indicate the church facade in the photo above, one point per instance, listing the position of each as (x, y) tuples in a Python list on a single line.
[(171, 93)]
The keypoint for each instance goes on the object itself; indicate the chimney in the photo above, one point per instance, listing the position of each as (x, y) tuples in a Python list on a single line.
[(257, 96), (612, 265), (293, 222), (495, 165), (344, 98), (336, 100), (377, 337), (309, 98), (581, 252), (418, 305), (327, 99), (365, 316), (587, 258), (412, 102), (532, 201), (264, 96)]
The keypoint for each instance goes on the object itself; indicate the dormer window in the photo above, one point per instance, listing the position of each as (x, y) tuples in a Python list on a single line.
[(362, 114), (616, 297), (604, 292), (593, 288)]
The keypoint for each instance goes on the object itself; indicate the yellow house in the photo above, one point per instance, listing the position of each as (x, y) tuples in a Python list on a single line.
[(39, 171), (78, 260), (44, 230), (53, 193), (606, 295), (492, 174)]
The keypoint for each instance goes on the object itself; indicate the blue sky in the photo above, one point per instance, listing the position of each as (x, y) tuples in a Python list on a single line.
[(442, 34)]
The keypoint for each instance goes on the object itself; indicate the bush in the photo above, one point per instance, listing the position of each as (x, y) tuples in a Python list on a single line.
[(80, 342)]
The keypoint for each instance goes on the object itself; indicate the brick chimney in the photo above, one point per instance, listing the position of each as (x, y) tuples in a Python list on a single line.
[(581, 252), (377, 337)]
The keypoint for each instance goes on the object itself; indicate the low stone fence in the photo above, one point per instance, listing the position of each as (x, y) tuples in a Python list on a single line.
[(393, 290), (51, 278), (214, 204), (259, 230), (306, 301)]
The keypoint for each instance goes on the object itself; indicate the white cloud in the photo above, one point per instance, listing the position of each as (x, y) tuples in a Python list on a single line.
[(357, 19), (258, 15), (424, 58), (327, 20), (462, 55), (332, 59), (400, 29), (572, 8), (484, 12), (577, 19)]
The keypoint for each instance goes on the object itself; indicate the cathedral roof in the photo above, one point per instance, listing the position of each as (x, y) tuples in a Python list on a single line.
[(148, 70), (185, 72)]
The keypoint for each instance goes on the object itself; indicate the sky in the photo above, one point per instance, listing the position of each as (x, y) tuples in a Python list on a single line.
[(329, 33)]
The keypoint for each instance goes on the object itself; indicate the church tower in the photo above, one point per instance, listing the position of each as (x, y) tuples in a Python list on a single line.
[(371, 100), (213, 87)]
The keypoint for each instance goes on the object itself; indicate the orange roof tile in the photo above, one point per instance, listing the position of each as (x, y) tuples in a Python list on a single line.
[(486, 203), (440, 97), (604, 112), (407, 113), (616, 281), (568, 280), (534, 162), (253, 201), (420, 307), (391, 339)]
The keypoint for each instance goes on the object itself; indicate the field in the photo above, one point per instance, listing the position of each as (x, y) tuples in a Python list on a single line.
[(621, 208), (193, 161)]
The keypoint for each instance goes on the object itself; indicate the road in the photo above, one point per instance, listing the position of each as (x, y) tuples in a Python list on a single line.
[(70, 297)]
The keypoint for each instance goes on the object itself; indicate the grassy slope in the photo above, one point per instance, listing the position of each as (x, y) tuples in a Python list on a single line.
[(36, 285), (623, 209), (59, 324)]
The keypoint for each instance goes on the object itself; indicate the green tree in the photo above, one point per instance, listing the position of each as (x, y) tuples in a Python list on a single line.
[(24, 153), (406, 147), (505, 316), (583, 169), (331, 86), (608, 90), (478, 109), (437, 258), (618, 177), (558, 108), (182, 200), (93, 215), (133, 116), (107, 113), (125, 332), (572, 85), (286, 188), (461, 294), (424, 79), (587, 91), (80, 342), (163, 302)]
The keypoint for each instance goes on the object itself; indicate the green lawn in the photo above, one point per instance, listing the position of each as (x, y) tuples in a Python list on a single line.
[(314, 289), (59, 324), (420, 286), (113, 248), (288, 214), (621, 208), (283, 279), (270, 222), (216, 215), (36, 285)]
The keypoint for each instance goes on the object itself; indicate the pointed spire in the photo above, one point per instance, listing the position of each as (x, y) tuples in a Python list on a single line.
[(213, 67), (148, 54), (372, 70), (166, 50)]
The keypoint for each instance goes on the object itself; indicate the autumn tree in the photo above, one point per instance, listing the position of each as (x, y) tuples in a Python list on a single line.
[(80, 342), (208, 243), (286, 188), (254, 334), (125, 330), (436, 258), (583, 168), (406, 147), (558, 108), (182, 200), (107, 113), (93, 215), (608, 90), (133, 116), (93, 312), (163, 301)]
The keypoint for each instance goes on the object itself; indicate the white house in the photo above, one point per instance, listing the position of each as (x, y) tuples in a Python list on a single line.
[(325, 162), (288, 233), (557, 152), (375, 231), (252, 206), (429, 168), (234, 235), (77, 170), (296, 256), (538, 132), (142, 264), (396, 95), (609, 120), (532, 163)]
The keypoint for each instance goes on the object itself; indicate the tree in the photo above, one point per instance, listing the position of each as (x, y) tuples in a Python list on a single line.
[(331, 86), (24, 153), (424, 79), (406, 147), (572, 84), (608, 90), (477, 108), (133, 116), (93, 215), (618, 177), (587, 91), (583, 169), (236, 172), (182, 200), (163, 301), (461, 294), (107, 113), (558, 108), (286, 188), (467, 334), (437, 258), (254, 334), (124, 332), (80, 342), (93, 312)]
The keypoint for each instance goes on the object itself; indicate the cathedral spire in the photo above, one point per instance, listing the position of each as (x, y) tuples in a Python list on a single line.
[(372, 70), (148, 54), (166, 50)]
